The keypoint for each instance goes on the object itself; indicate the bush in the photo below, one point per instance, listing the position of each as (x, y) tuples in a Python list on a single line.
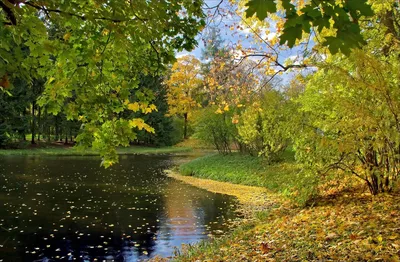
[(216, 129), (264, 126)]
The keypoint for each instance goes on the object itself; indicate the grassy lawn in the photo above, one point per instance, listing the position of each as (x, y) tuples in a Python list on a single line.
[(66, 151), (282, 177)]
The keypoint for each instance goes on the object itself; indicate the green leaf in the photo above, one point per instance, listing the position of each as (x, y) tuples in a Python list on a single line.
[(361, 6), (290, 34), (334, 44), (261, 8), (289, 7), (312, 12)]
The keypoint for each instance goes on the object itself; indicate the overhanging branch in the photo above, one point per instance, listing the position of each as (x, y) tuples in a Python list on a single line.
[(82, 17)]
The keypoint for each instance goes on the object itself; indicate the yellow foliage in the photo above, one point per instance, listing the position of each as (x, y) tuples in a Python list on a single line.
[(140, 124), (219, 111), (134, 106), (183, 85), (67, 36)]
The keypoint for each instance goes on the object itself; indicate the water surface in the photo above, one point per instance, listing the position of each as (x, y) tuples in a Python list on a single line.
[(71, 209)]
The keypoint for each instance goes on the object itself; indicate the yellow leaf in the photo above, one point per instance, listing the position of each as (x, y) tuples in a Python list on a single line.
[(379, 238), (140, 124), (147, 110), (51, 79), (105, 32), (67, 36), (219, 111), (134, 106)]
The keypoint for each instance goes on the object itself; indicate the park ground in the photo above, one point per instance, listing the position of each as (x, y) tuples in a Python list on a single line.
[(342, 223)]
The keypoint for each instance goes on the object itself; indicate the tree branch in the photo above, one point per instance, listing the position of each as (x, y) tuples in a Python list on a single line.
[(9, 13), (275, 61), (158, 55), (82, 17)]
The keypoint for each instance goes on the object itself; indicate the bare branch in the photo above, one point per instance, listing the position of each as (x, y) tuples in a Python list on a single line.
[(212, 7)]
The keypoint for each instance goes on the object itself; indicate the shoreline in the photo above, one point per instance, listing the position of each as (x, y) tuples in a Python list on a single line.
[(349, 225), (251, 198), (70, 151)]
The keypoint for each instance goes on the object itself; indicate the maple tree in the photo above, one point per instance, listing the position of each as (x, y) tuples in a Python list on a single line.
[(317, 15), (183, 87), (352, 106), (93, 57)]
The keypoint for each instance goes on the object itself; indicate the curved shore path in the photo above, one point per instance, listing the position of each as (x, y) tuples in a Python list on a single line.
[(251, 198)]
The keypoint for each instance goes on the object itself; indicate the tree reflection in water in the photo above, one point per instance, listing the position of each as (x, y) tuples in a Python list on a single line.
[(69, 208)]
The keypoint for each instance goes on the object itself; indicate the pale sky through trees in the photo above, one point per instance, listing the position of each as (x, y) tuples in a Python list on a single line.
[(226, 20)]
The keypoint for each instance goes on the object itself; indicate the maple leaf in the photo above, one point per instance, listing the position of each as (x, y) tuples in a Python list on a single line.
[(290, 34), (261, 8), (134, 106)]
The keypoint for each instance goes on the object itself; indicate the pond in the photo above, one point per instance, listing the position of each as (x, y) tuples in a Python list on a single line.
[(71, 209)]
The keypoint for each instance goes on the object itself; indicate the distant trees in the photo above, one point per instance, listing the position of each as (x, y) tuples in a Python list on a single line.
[(21, 115), (166, 131), (342, 117), (264, 126), (90, 55), (183, 88)]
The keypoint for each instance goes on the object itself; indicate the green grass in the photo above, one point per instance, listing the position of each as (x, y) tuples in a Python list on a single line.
[(282, 177), (70, 151), (241, 169)]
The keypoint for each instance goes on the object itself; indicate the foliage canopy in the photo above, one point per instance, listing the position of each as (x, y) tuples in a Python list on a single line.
[(91, 54)]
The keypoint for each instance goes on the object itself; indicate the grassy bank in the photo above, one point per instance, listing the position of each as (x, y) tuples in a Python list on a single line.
[(342, 225), (283, 177), (71, 151)]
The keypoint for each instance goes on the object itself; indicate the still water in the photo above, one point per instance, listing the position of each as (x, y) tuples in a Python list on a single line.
[(71, 209)]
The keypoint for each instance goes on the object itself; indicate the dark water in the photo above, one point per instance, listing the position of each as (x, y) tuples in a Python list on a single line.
[(71, 209)]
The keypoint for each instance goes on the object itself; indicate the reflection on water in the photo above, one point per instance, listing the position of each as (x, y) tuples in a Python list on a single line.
[(71, 209)]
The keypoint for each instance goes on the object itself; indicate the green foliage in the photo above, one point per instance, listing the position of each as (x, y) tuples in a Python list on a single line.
[(216, 129), (92, 54), (165, 130), (178, 130), (341, 16), (353, 109), (13, 116), (265, 126), (4, 136), (261, 8)]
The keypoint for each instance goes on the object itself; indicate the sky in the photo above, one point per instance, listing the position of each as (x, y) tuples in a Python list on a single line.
[(241, 35)]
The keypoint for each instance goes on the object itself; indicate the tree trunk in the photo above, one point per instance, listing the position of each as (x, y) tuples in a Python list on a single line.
[(39, 120), (185, 115), (57, 133), (33, 123)]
